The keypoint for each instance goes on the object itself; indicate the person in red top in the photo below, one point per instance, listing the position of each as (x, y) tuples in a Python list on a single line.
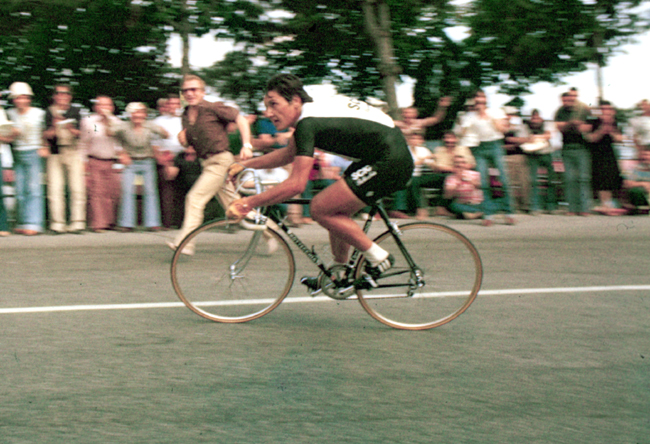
[(204, 128), (463, 189)]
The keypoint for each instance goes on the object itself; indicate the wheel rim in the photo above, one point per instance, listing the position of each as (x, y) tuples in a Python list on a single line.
[(452, 272), (214, 284)]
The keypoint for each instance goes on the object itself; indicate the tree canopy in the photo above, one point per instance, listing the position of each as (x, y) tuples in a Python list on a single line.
[(239, 79), (98, 46), (522, 42), (118, 47), (510, 43)]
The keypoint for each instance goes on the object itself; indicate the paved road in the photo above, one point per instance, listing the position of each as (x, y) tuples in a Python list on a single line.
[(556, 349)]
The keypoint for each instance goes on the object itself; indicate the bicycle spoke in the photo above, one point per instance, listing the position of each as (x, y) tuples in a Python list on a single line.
[(448, 279), (233, 277)]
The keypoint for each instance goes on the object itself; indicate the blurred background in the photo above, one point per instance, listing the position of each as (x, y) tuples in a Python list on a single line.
[(402, 52)]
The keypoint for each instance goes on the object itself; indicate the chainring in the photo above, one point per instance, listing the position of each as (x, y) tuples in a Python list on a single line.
[(330, 288)]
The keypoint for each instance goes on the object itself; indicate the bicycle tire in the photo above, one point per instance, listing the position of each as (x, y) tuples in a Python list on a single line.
[(221, 282), (452, 272)]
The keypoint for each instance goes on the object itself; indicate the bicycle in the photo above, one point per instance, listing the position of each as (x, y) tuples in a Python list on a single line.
[(238, 275)]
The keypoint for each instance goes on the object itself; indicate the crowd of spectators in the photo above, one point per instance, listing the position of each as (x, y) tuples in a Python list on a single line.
[(98, 167), (101, 172), (520, 171)]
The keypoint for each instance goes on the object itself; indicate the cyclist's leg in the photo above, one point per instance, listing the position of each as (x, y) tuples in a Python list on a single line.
[(363, 183), (332, 208), (340, 248)]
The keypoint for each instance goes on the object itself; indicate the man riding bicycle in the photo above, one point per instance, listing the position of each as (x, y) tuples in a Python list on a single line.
[(343, 126)]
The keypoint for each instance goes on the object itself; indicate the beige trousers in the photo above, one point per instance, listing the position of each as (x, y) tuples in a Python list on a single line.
[(211, 182), (66, 167)]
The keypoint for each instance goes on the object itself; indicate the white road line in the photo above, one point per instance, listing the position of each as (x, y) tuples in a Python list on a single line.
[(482, 293)]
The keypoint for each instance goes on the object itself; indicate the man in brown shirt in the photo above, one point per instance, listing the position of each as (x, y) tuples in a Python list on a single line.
[(204, 128)]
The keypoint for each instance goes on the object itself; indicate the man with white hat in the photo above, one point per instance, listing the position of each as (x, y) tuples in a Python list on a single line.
[(27, 150)]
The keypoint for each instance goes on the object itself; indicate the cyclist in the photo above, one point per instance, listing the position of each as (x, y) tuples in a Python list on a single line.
[(343, 126)]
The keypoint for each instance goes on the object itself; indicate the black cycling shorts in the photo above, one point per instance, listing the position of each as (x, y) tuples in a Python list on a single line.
[(371, 180)]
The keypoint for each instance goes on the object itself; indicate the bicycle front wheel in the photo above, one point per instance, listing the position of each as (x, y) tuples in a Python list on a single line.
[(234, 275), (442, 283)]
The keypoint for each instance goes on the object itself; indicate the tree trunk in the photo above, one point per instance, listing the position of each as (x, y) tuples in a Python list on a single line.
[(185, 61), (598, 43), (184, 30), (599, 83), (377, 21)]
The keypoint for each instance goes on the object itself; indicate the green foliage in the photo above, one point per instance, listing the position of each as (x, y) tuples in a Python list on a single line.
[(328, 42), (511, 43), (111, 47), (522, 42), (117, 47), (238, 79), (230, 19)]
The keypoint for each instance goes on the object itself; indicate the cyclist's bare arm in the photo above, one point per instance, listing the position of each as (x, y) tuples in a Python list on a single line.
[(294, 185), (274, 159)]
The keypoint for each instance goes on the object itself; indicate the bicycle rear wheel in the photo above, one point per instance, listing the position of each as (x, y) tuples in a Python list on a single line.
[(234, 275), (450, 277)]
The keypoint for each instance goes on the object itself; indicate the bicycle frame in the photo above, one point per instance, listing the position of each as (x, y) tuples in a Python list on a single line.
[(275, 216), (377, 208)]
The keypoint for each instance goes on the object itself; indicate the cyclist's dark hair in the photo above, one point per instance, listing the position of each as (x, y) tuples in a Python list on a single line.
[(288, 86)]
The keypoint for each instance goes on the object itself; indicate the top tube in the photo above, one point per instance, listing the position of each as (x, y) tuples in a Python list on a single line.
[(259, 185)]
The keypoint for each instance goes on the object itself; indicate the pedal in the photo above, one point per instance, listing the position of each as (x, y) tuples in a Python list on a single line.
[(370, 280), (384, 266), (312, 284)]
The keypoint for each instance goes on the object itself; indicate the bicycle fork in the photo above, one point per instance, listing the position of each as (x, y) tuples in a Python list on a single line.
[(235, 269)]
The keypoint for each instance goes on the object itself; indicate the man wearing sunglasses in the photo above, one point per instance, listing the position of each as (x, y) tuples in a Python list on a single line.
[(204, 128)]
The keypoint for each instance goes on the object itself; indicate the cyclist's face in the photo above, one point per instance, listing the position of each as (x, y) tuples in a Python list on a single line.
[(282, 113)]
